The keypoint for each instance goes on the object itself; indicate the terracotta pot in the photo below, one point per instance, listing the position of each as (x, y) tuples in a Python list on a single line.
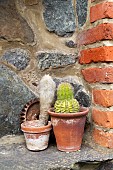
[(68, 129), (36, 137), (30, 111)]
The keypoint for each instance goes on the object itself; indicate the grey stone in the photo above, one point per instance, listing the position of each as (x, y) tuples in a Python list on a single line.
[(70, 44), (81, 7), (17, 157), (59, 16), (17, 57), (13, 96), (12, 26), (83, 98), (46, 60), (3, 2)]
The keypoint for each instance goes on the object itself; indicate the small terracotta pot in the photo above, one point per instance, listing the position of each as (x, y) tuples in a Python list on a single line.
[(68, 129), (36, 137)]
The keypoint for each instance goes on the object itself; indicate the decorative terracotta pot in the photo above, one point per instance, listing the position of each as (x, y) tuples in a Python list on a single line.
[(68, 129), (36, 137), (30, 111)]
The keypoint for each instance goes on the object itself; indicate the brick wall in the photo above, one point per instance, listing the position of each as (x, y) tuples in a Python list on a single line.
[(96, 58)]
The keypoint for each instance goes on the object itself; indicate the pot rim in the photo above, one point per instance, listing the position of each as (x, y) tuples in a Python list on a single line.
[(83, 112), (34, 129)]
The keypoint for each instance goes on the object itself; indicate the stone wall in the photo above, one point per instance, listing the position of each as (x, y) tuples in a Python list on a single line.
[(37, 37)]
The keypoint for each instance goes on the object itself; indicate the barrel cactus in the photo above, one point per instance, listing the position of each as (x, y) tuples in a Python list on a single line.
[(65, 102)]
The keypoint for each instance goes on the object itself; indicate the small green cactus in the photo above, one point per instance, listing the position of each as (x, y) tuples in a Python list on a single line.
[(64, 91), (65, 99)]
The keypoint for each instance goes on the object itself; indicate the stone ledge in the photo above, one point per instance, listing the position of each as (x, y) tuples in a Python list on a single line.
[(15, 156)]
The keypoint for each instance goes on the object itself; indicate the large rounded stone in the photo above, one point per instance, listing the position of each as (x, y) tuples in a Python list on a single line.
[(59, 16), (17, 57), (13, 96), (12, 26)]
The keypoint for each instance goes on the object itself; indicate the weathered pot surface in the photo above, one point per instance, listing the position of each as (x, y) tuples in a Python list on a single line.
[(68, 129), (36, 137)]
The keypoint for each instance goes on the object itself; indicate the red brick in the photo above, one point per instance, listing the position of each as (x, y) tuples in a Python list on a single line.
[(99, 54), (103, 118), (98, 33), (102, 10), (103, 97), (101, 75), (103, 138)]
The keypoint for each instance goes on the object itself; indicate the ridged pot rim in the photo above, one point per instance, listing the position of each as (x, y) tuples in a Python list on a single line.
[(34, 129), (83, 112)]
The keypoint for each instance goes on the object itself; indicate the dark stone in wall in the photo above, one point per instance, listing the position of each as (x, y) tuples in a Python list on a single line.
[(12, 26), (83, 98), (3, 2), (14, 94), (81, 7), (46, 60), (59, 16), (71, 44), (17, 57)]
